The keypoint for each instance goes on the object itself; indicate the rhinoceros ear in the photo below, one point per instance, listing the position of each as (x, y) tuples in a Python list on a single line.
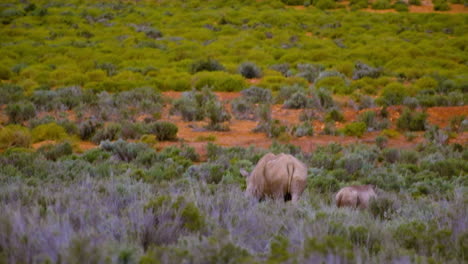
[(244, 173)]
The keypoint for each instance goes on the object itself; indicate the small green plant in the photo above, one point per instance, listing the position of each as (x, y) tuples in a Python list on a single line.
[(163, 130), (390, 133), (206, 65), (20, 112), (150, 140), (325, 4), (381, 141), (14, 136), (382, 207), (441, 5), (334, 115), (355, 129), (412, 121), (381, 4), (304, 129), (111, 131), (400, 6), (250, 70), (54, 152), (415, 2), (202, 138), (297, 101), (50, 131)]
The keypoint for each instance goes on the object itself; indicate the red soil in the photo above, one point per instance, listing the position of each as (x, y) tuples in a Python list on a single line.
[(241, 134)]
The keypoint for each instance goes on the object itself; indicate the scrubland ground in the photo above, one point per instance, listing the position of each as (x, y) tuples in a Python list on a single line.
[(123, 126)]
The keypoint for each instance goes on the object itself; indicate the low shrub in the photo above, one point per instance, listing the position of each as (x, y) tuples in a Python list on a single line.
[(150, 140), (383, 207), (20, 111), (202, 138), (163, 130), (111, 131), (54, 152), (310, 72), (393, 94), (412, 121), (51, 131), (441, 5), (411, 102), (381, 4), (355, 129), (87, 129), (390, 133), (124, 151), (287, 91), (249, 70), (206, 65), (391, 155), (14, 136), (10, 93), (334, 115), (358, 4), (218, 81), (381, 141), (257, 95), (217, 114), (325, 4), (297, 101), (400, 6), (363, 70), (322, 98), (304, 129), (242, 109)]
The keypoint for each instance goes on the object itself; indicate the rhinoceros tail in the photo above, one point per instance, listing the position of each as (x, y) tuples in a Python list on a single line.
[(290, 168), (338, 199)]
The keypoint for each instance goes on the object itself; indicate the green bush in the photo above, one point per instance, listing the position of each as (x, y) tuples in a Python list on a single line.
[(50, 131), (14, 136), (393, 94), (382, 207), (250, 70), (325, 4), (206, 65), (87, 129), (297, 101), (304, 129), (193, 219), (163, 130), (5, 73), (10, 93), (381, 141), (355, 129), (111, 131), (415, 2), (217, 114), (334, 115), (256, 95), (54, 152), (400, 6), (242, 109), (20, 112), (412, 121), (381, 4), (441, 5), (358, 4), (218, 81)]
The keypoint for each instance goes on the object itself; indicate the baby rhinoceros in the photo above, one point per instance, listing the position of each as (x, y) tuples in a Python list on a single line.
[(356, 196), (279, 176)]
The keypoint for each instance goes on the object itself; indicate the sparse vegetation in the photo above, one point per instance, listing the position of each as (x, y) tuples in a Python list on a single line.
[(85, 176)]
